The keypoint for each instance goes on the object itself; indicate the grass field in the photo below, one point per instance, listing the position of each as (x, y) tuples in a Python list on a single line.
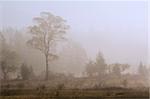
[(74, 94)]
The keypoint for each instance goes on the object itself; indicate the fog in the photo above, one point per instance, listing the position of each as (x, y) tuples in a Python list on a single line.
[(116, 29), (59, 49)]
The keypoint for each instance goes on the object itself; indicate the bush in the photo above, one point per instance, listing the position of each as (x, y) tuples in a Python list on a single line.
[(20, 85)]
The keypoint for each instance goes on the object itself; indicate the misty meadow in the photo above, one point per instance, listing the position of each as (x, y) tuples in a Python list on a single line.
[(73, 50)]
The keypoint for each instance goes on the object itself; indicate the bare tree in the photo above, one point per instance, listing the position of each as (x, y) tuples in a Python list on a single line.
[(45, 33)]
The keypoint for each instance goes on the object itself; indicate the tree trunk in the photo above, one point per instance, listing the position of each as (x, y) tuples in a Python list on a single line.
[(46, 76)]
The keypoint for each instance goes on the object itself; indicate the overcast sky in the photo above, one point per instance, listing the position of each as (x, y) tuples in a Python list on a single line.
[(117, 29)]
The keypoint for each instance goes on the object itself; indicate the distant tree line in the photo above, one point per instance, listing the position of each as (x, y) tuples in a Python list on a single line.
[(104, 72), (101, 68)]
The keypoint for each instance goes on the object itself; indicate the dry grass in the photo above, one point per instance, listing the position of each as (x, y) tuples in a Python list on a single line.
[(77, 94)]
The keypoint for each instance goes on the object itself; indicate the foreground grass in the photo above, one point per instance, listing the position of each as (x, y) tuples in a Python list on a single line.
[(35, 97), (76, 94)]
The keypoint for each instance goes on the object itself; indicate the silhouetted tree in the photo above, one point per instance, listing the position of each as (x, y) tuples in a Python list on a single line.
[(48, 30), (26, 72), (100, 64)]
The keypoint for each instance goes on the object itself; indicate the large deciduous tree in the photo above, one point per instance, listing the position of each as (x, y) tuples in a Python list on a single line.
[(47, 30)]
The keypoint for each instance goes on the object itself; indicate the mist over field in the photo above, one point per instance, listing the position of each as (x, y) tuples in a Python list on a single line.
[(56, 48)]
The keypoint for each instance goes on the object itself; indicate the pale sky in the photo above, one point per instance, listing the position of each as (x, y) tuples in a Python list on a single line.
[(117, 29)]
